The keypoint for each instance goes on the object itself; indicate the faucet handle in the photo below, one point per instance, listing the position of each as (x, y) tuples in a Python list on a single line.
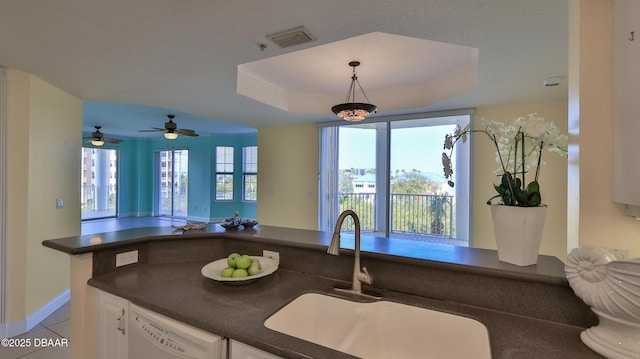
[(365, 277)]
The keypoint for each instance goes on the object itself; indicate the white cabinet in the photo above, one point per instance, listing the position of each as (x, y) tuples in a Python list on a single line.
[(112, 326), (125, 330), (626, 107), (242, 351)]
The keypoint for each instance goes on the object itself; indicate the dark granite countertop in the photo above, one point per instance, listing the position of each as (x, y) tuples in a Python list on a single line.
[(530, 312), (179, 291), (549, 269)]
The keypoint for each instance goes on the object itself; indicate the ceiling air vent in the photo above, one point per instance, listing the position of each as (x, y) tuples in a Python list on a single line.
[(291, 37)]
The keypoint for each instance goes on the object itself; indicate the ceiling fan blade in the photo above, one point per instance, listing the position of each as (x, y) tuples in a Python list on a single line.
[(187, 132), (155, 129), (111, 140)]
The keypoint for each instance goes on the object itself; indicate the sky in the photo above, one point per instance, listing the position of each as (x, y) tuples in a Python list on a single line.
[(411, 148)]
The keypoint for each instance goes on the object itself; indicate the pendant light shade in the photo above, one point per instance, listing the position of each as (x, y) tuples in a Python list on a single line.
[(352, 110), (97, 143)]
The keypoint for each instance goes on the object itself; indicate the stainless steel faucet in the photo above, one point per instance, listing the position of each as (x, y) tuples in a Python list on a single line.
[(359, 276)]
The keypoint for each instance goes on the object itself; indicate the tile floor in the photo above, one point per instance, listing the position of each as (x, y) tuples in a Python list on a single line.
[(55, 328)]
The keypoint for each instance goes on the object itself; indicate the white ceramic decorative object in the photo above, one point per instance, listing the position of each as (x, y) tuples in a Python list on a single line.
[(518, 232), (612, 289)]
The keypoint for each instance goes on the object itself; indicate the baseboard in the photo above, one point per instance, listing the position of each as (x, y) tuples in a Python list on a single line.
[(8, 330), (135, 214)]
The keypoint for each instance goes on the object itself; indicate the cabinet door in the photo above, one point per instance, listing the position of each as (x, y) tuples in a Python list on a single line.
[(113, 339), (626, 107), (242, 351)]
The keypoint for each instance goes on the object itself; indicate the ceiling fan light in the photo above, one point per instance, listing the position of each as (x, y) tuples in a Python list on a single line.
[(354, 111), (170, 135), (97, 143)]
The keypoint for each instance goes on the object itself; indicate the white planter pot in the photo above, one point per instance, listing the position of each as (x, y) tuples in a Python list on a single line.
[(518, 232)]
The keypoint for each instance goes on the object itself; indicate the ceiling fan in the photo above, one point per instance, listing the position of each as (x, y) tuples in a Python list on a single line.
[(97, 138), (171, 130)]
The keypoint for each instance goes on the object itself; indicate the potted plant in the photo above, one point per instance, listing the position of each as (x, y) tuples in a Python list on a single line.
[(518, 217)]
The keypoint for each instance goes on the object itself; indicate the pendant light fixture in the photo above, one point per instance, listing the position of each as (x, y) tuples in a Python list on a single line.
[(352, 110)]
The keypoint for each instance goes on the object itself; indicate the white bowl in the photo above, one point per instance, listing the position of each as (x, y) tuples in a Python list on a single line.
[(213, 269)]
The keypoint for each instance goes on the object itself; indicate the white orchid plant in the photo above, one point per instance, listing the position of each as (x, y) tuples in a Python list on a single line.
[(519, 146)]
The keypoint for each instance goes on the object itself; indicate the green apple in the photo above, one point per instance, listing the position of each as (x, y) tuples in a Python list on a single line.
[(240, 273), (232, 258), (254, 269), (256, 262), (243, 262), (227, 272)]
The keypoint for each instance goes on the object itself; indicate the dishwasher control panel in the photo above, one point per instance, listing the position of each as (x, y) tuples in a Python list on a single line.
[(152, 335)]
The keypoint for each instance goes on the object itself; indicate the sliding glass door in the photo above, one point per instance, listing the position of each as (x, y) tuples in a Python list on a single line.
[(421, 202), (390, 174), (99, 183), (172, 181)]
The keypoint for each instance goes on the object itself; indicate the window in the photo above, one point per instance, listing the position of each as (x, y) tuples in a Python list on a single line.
[(250, 173), (389, 173), (98, 192), (224, 173), (172, 183)]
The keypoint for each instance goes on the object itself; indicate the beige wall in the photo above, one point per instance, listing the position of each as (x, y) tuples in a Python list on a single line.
[(289, 170), (600, 222), (288, 180), (17, 193), (44, 163), (553, 178)]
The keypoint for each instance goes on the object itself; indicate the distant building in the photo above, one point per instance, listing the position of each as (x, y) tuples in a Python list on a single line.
[(364, 184), (443, 184), (98, 178)]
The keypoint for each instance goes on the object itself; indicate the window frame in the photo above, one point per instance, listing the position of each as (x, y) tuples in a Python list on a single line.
[(328, 205), (222, 169), (249, 169)]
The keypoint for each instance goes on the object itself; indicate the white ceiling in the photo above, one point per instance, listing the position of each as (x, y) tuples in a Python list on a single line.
[(135, 61), (398, 72)]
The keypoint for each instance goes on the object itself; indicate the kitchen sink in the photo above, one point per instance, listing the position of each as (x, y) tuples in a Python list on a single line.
[(381, 329)]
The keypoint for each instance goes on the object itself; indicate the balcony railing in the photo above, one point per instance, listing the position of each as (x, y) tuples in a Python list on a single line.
[(98, 201), (175, 205), (420, 214)]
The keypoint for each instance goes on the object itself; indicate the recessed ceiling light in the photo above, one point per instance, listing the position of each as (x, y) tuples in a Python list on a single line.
[(553, 81)]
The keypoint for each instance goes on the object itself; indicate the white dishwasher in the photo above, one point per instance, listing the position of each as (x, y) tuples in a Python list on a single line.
[(155, 336)]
